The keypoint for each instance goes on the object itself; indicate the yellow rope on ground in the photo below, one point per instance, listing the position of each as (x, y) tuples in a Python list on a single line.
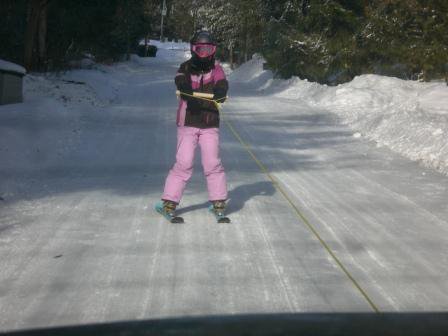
[(302, 217)]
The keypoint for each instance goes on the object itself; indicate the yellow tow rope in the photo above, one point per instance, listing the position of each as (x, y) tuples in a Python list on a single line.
[(203, 96)]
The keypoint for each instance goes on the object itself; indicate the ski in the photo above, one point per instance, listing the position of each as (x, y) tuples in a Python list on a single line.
[(220, 218), (223, 220), (170, 218)]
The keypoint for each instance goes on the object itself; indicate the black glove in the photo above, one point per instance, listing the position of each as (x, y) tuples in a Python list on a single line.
[(185, 88), (219, 95)]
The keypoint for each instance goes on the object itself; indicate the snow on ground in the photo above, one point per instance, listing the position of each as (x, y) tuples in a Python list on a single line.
[(45, 128), (84, 158), (409, 117), (28, 139), (70, 87)]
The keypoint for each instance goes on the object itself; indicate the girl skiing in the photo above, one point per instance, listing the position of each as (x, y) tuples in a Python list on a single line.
[(198, 123)]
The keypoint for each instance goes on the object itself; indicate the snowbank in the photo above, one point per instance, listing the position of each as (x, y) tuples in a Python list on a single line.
[(166, 52), (12, 67), (409, 117), (99, 81), (170, 45)]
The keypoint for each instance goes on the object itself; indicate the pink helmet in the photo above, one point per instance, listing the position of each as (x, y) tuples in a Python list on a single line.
[(203, 45)]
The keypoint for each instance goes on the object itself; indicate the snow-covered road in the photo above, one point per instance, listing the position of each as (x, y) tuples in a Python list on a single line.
[(346, 227)]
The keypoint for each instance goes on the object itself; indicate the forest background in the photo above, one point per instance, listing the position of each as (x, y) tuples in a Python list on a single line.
[(327, 41)]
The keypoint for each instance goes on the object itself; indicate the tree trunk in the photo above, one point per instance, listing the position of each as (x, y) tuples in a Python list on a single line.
[(305, 4), (246, 45), (31, 31), (231, 56), (128, 42), (42, 36)]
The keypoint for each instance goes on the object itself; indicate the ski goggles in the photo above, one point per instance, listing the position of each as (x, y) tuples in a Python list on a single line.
[(203, 50)]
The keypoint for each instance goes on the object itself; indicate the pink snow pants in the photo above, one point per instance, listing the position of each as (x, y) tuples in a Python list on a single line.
[(187, 140)]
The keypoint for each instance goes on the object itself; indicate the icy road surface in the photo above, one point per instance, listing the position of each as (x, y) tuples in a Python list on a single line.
[(80, 242)]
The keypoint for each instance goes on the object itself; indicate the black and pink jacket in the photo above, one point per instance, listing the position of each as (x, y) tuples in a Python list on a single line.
[(201, 114)]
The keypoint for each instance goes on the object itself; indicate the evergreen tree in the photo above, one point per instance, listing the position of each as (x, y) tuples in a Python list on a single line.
[(329, 41), (182, 17), (311, 39), (406, 38), (236, 24), (12, 29), (72, 27)]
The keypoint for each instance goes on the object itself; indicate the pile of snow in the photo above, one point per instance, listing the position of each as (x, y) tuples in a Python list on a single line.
[(77, 86), (170, 45), (12, 67), (166, 52), (99, 82), (409, 117)]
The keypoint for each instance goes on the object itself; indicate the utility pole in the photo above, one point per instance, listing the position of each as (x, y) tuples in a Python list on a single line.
[(163, 15)]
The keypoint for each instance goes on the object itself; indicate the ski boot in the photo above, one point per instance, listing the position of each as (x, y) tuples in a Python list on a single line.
[(218, 209), (168, 210)]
